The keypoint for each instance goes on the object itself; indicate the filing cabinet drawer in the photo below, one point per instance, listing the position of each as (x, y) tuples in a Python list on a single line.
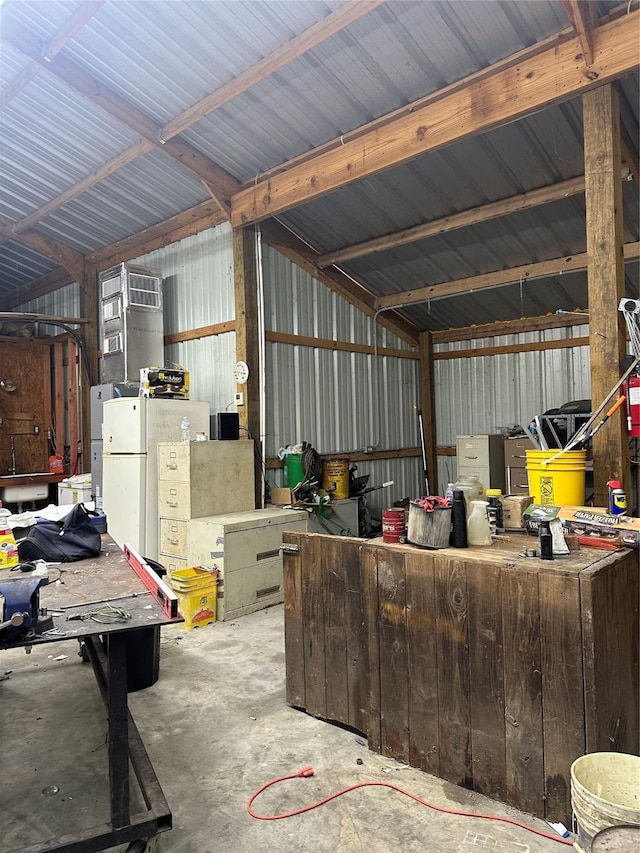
[(515, 451), (174, 499), (481, 472), (517, 481), (173, 537), (171, 563)]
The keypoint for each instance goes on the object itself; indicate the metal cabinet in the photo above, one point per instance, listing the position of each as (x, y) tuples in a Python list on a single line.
[(245, 549), (482, 455)]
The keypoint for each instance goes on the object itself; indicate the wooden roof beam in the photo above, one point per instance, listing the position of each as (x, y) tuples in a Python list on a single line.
[(310, 38), (71, 260), (482, 102), (185, 224), (279, 58), (219, 183), (527, 272), (472, 216), (583, 17), (65, 34)]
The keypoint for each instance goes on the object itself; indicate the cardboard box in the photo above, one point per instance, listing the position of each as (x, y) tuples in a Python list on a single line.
[(282, 497), (165, 382), (586, 520), (513, 507)]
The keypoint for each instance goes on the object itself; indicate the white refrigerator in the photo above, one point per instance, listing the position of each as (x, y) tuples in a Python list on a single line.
[(132, 427)]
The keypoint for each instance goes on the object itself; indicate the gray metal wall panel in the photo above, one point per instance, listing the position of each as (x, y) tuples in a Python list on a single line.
[(197, 275), (328, 397), (483, 394), (61, 303)]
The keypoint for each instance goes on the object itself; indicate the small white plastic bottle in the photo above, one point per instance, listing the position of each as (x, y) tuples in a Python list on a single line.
[(478, 529), (185, 429)]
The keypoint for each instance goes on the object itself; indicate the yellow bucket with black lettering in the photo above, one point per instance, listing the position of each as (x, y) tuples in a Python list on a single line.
[(560, 482)]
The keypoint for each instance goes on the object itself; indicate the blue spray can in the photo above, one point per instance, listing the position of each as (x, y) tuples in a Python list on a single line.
[(617, 498)]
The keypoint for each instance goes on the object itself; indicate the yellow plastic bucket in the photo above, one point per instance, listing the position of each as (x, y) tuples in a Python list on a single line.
[(335, 478), (197, 590), (557, 483)]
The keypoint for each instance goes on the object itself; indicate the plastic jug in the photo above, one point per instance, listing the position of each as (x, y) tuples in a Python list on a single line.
[(472, 488), (478, 529), (8, 548)]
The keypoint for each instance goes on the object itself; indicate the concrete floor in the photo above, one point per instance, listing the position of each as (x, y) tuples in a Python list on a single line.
[(217, 727)]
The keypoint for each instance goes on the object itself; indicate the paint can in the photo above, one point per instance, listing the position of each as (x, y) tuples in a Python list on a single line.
[(394, 525), (335, 478)]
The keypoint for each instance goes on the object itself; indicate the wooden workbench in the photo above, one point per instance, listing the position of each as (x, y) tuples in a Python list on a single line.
[(484, 667)]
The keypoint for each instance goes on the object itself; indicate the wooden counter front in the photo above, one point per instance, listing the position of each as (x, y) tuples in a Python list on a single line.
[(481, 666)]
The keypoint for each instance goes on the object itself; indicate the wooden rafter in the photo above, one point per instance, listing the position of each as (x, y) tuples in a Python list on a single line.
[(219, 183), (294, 248), (479, 104), (472, 216), (307, 40), (300, 44), (71, 260), (185, 224), (90, 180), (65, 34), (527, 272), (582, 14)]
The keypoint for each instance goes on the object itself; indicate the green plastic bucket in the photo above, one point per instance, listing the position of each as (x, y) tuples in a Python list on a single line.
[(294, 469)]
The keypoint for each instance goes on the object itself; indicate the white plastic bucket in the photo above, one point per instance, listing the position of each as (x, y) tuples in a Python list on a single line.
[(605, 791)]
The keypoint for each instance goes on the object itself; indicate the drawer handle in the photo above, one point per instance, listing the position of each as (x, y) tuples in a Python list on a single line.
[(172, 541), (171, 467), (470, 457), (172, 503), (267, 555)]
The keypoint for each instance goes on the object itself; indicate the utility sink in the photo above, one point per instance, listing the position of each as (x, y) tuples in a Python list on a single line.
[(22, 494)]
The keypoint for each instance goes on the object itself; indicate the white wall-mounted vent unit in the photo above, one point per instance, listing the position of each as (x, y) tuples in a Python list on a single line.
[(131, 324)]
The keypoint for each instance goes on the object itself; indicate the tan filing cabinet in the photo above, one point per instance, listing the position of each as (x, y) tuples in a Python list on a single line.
[(482, 455), (243, 546), (198, 478)]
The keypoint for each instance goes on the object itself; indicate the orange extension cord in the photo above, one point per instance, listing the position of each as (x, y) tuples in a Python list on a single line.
[(308, 771)]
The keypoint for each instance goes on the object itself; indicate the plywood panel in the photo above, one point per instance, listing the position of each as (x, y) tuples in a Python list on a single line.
[(23, 411)]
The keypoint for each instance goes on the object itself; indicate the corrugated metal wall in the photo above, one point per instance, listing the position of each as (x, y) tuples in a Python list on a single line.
[(485, 394), (198, 291), (61, 303), (329, 398)]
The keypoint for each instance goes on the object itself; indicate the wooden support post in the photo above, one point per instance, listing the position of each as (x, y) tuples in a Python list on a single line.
[(89, 333), (427, 404), (247, 343), (607, 336)]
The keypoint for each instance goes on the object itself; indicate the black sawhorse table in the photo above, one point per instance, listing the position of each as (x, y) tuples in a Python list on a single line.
[(87, 585)]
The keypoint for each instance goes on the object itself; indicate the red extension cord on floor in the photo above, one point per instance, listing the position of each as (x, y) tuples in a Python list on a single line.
[(308, 771)]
